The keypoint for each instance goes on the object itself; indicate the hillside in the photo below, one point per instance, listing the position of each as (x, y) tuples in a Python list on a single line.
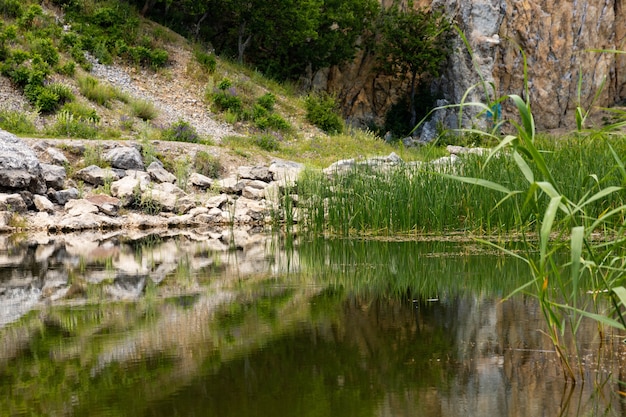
[(183, 91)]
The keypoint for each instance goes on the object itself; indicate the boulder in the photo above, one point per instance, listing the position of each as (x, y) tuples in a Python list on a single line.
[(12, 202), (106, 204), (125, 157), (96, 176), (286, 173), (160, 174), (43, 204), (200, 181), (230, 185), (260, 173), (19, 166), (63, 196), (79, 207), (54, 175), (56, 156)]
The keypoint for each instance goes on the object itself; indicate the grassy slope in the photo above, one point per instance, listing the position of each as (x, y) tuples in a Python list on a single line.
[(302, 142)]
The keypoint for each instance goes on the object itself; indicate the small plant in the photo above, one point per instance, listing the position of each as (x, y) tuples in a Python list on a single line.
[(182, 172), (69, 69), (267, 142), (73, 127), (126, 123), (101, 94), (226, 99), (143, 109), (207, 164), (16, 122), (81, 111), (321, 110), (206, 61), (267, 101), (94, 155), (181, 131)]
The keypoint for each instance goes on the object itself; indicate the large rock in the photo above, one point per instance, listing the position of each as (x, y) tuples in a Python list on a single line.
[(160, 174), (125, 157), (95, 175), (19, 167), (54, 175)]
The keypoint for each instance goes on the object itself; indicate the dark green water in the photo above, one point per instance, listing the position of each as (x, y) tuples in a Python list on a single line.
[(177, 327)]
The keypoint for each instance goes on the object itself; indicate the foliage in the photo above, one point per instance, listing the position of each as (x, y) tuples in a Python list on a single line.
[(414, 44), (267, 142), (207, 61), (180, 131), (321, 110), (281, 38), (97, 92), (73, 127), (81, 111), (207, 164), (16, 122), (143, 109)]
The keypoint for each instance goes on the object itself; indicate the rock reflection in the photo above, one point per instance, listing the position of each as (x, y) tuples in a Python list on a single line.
[(233, 324)]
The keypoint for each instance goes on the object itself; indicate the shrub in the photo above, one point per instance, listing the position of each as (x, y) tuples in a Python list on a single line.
[(180, 131), (16, 122), (69, 69), (267, 101), (267, 142), (73, 127), (81, 111), (28, 17), (142, 55), (11, 8), (207, 164), (322, 112), (63, 91), (46, 50), (143, 109), (225, 97), (272, 121), (207, 61), (101, 94)]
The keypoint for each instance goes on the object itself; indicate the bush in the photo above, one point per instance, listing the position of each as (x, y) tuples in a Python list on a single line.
[(81, 112), (267, 142), (11, 8), (267, 101), (28, 17), (63, 91), (16, 122), (46, 50), (180, 131), (143, 109), (101, 94), (207, 61), (72, 127), (142, 55), (207, 164), (322, 112), (68, 69)]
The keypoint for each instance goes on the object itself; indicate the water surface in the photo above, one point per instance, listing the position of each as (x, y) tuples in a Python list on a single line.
[(157, 326)]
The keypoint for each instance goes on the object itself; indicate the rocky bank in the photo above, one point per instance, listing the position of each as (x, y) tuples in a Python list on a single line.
[(37, 194)]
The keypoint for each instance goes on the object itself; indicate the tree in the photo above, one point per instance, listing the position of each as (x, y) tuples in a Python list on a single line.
[(413, 44)]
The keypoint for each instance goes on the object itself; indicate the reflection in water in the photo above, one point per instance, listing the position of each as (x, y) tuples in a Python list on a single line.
[(351, 328)]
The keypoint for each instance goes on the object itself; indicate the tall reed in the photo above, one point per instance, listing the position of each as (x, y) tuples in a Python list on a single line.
[(583, 216)]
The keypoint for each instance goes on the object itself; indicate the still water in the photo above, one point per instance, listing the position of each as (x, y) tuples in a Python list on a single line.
[(252, 325)]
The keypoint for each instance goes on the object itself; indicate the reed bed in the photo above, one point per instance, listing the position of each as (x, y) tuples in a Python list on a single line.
[(426, 199)]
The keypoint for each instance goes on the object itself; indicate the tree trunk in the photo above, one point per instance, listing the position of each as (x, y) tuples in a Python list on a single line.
[(241, 44), (196, 31), (413, 120), (147, 6)]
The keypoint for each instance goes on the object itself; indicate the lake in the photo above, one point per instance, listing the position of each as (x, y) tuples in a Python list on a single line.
[(235, 323)]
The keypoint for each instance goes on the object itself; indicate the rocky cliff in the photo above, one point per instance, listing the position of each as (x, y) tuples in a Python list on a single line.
[(556, 37)]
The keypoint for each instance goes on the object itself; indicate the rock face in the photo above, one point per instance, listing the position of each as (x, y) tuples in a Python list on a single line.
[(555, 36)]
